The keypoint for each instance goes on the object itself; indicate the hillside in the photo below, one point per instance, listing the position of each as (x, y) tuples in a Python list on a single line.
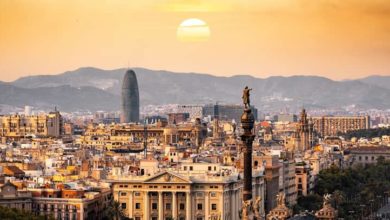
[(96, 89)]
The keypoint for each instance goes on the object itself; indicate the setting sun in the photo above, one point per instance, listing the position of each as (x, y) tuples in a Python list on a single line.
[(193, 30)]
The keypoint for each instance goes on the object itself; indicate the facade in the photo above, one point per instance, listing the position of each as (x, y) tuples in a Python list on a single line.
[(286, 118), (11, 197), (177, 118), (130, 98), (332, 125), (272, 167), (226, 112), (19, 126), (182, 195), (366, 155), (194, 111), (303, 179), (287, 180), (70, 204)]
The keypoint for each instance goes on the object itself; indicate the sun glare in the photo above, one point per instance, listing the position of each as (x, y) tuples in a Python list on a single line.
[(193, 30)]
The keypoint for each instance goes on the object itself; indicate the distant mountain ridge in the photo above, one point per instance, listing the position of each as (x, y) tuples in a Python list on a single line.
[(96, 89)]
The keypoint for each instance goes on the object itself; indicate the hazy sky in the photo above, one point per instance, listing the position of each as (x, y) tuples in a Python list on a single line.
[(334, 38)]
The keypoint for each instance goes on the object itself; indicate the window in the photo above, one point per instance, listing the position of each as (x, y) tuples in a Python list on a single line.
[(123, 205), (200, 206), (191, 168), (181, 206), (199, 218), (185, 167), (213, 206), (123, 194), (209, 168), (137, 194), (213, 194), (137, 205), (154, 206), (168, 206)]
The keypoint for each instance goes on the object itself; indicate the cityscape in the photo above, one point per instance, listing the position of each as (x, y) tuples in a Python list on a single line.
[(142, 143)]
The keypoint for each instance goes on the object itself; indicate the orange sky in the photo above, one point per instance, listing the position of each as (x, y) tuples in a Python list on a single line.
[(338, 39)]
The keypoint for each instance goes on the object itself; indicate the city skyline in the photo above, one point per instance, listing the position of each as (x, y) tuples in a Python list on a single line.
[(335, 39)]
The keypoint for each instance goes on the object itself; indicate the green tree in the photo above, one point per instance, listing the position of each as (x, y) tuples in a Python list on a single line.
[(114, 211), (17, 214)]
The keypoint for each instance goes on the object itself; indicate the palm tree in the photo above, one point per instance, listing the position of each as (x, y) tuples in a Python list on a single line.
[(338, 198), (114, 211)]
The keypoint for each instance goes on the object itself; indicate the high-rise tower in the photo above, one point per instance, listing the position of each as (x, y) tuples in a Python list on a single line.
[(130, 98)]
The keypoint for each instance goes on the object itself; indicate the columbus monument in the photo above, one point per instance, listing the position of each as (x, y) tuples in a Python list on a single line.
[(247, 122), (130, 98)]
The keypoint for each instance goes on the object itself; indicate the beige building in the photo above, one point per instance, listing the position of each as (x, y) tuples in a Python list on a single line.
[(287, 180), (118, 136), (183, 196), (365, 155), (303, 179), (18, 126), (11, 197), (332, 125), (271, 176), (70, 205)]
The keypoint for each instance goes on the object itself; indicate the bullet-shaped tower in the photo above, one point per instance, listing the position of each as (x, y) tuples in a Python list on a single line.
[(130, 98)]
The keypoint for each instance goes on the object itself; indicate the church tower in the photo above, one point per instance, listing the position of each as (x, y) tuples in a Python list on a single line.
[(304, 133)]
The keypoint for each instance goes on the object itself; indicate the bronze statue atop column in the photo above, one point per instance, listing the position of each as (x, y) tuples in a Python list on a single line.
[(246, 97)]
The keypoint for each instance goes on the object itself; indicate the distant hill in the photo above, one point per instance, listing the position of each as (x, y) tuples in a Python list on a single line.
[(382, 81), (96, 89), (65, 97)]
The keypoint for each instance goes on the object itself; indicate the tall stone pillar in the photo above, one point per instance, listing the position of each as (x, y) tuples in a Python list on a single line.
[(131, 204), (188, 206), (174, 205), (222, 201), (160, 206), (146, 206), (247, 122), (207, 205)]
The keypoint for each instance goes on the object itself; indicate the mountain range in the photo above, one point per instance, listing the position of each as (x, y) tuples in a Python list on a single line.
[(95, 89)]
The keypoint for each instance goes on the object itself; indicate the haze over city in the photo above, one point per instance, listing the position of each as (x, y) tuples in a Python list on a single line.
[(337, 39), (194, 110)]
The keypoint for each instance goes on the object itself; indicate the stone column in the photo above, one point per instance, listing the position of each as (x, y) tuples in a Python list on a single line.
[(233, 204), (81, 211), (160, 206), (222, 201), (63, 211), (131, 204), (188, 206), (146, 206), (55, 210), (70, 212), (247, 123), (207, 205), (174, 205)]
